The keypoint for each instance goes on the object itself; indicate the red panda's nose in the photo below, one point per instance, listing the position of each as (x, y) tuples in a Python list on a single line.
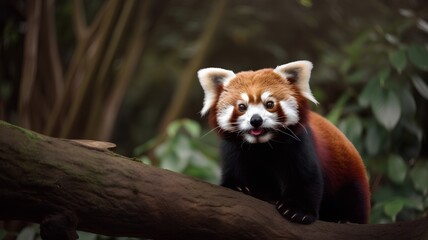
[(256, 121)]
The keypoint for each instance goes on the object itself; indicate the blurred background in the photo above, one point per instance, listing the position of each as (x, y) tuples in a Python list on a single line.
[(125, 72)]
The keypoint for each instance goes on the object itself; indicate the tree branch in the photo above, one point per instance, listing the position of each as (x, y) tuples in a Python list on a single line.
[(43, 179), (79, 20), (133, 54), (187, 77), (29, 68), (106, 117), (100, 46), (76, 68)]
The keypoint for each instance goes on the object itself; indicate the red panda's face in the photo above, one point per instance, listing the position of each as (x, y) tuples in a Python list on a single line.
[(256, 105)]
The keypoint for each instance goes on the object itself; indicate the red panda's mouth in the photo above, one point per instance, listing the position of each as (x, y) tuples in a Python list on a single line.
[(258, 135), (256, 132)]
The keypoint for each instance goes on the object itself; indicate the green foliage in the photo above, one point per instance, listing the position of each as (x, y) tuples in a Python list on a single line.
[(185, 151), (420, 86), (419, 177), (397, 168), (398, 59), (385, 95), (29, 232), (418, 55)]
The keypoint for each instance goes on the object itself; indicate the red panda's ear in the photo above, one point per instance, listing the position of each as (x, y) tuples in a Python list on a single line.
[(298, 73), (210, 79)]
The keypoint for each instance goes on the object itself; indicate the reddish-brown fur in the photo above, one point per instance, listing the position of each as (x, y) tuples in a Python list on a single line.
[(339, 158), (341, 164)]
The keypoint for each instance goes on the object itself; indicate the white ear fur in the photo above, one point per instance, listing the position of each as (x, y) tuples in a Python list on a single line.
[(298, 73), (210, 79)]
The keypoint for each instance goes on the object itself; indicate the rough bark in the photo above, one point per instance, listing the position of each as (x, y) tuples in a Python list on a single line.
[(43, 179)]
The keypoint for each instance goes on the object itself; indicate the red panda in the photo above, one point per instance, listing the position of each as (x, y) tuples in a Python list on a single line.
[(275, 149)]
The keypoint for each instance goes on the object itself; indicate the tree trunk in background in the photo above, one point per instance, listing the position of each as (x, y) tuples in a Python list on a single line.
[(188, 76), (81, 100), (44, 178)]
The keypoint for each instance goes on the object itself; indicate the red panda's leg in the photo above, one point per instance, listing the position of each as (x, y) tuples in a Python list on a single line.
[(228, 180), (238, 187), (302, 205), (302, 180)]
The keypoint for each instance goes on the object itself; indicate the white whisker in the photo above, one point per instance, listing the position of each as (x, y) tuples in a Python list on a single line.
[(292, 135), (306, 131), (212, 130)]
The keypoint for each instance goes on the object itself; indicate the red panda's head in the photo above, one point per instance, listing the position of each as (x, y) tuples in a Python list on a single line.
[(257, 105)]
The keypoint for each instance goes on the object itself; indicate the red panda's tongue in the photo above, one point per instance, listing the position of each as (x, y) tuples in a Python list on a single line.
[(256, 132)]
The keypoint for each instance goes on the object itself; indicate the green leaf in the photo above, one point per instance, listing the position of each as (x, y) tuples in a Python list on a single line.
[(173, 128), (358, 76), (369, 90), (383, 75), (384, 194), (306, 3), (413, 128), (398, 60), (204, 168), (386, 108), (377, 213), (408, 103), (27, 233), (192, 127), (397, 168), (419, 176), (86, 235), (418, 56), (392, 208), (173, 163), (163, 150), (144, 159), (420, 86), (352, 128), (373, 139), (182, 148), (414, 202)]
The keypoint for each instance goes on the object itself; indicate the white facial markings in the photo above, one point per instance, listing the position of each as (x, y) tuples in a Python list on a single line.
[(265, 138), (223, 118), (265, 96), (242, 124), (245, 98), (290, 108), (269, 119), (250, 138), (252, 109)]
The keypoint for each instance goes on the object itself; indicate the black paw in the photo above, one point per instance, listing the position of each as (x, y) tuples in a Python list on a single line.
[(243, 189), (294, 214)]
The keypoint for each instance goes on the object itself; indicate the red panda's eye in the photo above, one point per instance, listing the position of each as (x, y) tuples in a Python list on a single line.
[(242, 107), (269, 104)]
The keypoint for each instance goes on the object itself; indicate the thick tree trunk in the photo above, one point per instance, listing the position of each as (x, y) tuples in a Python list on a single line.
[(102, 192)]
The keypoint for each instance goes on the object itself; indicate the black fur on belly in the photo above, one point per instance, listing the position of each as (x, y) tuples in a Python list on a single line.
[(284, 171)]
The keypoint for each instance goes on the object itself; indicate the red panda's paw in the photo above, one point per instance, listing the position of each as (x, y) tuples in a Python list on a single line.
[(243, 189), (293, 214)]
